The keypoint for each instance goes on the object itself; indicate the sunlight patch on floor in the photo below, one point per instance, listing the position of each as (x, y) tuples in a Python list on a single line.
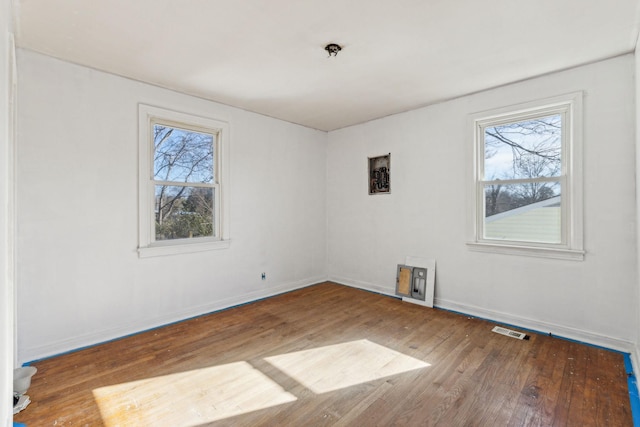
[(343, 365), (190, 398)]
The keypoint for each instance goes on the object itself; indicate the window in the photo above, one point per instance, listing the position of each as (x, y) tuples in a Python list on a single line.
[(182, 172), (527, 195)]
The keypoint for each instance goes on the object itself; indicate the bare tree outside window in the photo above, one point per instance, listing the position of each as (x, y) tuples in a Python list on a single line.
[(528, 179), (523, 150), (522, 168), (184, 177)]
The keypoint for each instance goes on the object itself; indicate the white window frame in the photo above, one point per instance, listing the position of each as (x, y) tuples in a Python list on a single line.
[(571, 247), (147, 246)]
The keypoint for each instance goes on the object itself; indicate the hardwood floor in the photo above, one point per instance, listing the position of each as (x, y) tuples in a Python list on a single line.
[(331, 355)]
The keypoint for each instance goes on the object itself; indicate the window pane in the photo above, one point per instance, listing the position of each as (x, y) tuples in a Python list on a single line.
[(524, 149), (182, 155), (183, 212), (528, 212)]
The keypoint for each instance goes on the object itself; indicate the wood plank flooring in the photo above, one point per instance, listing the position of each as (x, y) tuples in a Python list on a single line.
[(330, 355)]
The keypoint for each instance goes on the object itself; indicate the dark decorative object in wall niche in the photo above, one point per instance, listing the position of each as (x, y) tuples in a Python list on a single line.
[(379, 174)]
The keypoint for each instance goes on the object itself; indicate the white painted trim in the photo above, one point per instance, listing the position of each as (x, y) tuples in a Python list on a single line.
[(635, 359), (8, 337), (179, 247), (147, 246), (635, 355), (13, 183), (94, 338), (572, 165), (580, 335), (516, 249), (363, 285)]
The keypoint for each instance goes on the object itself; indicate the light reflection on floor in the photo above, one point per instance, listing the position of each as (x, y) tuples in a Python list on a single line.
[(343, 365), (190, 398), (201, 396)]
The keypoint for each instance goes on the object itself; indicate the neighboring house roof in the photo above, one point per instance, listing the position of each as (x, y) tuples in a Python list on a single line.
[(537, 222)]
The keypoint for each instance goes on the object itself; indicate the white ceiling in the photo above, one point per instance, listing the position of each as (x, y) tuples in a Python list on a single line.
[(268, 56)]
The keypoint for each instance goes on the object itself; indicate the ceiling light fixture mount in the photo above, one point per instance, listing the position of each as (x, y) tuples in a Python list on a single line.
[(333, 49)]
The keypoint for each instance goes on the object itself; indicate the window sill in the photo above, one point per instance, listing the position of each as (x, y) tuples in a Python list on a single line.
[(533, 251), (181, 248)]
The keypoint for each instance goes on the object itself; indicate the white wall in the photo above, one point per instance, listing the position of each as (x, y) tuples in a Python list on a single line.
[(425, 215), (80, 279), (635, 355), (6, 215)]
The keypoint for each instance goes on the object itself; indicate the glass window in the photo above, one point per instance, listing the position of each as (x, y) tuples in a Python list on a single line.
[(525, 188), (522, 162), (183, 174), (180, 182)]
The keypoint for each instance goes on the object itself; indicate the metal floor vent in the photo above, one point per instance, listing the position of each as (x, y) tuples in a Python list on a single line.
[(508, 332)]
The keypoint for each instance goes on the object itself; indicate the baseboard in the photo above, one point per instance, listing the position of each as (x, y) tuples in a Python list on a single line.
[(632, 367), (87, 340), (575, 334), (580, 335), (635, 359), (110, 334), (362, 285)]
